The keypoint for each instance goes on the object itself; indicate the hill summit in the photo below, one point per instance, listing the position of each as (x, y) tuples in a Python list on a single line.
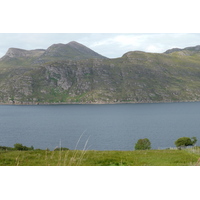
[(73, 51)]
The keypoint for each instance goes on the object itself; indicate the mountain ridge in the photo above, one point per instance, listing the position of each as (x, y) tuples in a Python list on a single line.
[(70, 50), (194, 48), (17, 52)]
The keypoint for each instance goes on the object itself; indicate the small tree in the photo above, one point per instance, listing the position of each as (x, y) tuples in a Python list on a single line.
[(20, 147), (185, 141), (143, 144)]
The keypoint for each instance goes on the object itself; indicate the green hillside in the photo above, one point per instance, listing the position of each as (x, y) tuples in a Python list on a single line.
[(73, 73)]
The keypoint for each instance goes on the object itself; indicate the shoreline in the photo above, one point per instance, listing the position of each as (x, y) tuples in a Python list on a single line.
[(96, 103)]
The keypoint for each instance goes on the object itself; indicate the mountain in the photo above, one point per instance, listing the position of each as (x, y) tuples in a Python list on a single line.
[(56, 52), (186, 51), (17, 53), (72, 50), (73, 73)]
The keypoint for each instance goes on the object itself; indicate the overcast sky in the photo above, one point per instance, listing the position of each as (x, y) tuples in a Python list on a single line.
[(108, 44)]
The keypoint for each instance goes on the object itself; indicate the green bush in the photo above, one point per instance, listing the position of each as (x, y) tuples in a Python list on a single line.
[(143, 144), (20, 147), (4, 148), (61, 148), (185, 141)]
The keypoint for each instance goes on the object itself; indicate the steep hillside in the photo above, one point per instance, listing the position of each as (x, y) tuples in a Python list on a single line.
[(56, 52), (74, 73), (72, 51)]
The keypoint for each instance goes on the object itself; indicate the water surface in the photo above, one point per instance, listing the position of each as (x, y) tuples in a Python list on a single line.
[(103, 127)]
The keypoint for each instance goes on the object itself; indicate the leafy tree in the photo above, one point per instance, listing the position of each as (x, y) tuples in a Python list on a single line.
[(185, 141), (143, 144), (20, 147)]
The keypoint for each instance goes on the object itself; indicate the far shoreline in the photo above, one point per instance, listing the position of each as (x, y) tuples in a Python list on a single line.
[(95, 103)]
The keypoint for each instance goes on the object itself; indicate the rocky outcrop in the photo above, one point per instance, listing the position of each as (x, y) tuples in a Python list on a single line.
[(19, 53)]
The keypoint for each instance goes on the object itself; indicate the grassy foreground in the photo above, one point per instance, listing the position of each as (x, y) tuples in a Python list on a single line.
[(186, 157)]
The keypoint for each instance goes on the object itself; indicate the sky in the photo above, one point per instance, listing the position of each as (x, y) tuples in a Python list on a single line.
[(111, 45)]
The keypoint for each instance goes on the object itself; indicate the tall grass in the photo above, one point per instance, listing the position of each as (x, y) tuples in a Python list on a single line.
[(195, 150), (59, 156), (65, 158), (75, 159)]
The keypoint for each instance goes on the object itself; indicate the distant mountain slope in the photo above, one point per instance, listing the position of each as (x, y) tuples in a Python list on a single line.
[(18, 53), (56, 52), (186, 51), (73, 73), (72, 50)]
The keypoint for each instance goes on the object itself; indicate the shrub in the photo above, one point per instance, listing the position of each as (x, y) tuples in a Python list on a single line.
[(4, 148), (143, 144), (185, 141), (62, 149), (20, 147)]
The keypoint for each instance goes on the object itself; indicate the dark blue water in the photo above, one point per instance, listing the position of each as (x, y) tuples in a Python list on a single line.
[(103, 127)]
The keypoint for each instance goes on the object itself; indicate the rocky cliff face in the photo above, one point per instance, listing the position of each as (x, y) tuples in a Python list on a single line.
[(135, 77)]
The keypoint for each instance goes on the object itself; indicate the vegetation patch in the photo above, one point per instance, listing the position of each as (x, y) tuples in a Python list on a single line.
[(65, 157)]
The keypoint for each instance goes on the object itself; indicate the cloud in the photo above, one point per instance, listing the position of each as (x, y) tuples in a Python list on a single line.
[(111, 45), (115, 45), (122, 40), (152, 48), (102, 43), (129, 40), (118, 44)]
